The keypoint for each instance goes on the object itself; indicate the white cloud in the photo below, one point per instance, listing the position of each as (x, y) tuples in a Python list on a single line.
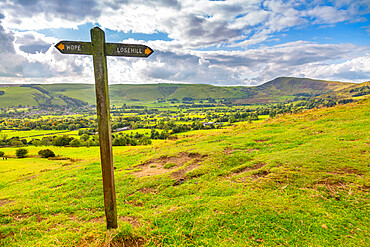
[(328, 15), (191, 24), (353, 70)]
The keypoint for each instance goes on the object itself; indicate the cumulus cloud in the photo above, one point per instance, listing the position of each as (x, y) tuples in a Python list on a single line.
[(290, 59), (353, 70), (39, 14), (227, 32), (32, 42), (26, 55)]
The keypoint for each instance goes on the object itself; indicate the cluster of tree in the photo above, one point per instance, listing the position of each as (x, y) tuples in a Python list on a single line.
[(364, 90), (281, 108), (130, 140), (14, 141), (239, 117), (63, 141), (58, 141), (192, 105), (154, 134), (171, 126), (47, 124)]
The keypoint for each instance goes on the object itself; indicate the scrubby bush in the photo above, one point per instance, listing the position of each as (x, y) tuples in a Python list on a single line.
[(36, 143), (75, 143), (62, 141), (145, 140), (21, 152), (46, 153), (84, 137), (16, 143), (2, 154)]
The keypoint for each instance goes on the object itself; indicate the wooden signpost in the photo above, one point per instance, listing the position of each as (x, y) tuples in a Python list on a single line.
[(99, 50)]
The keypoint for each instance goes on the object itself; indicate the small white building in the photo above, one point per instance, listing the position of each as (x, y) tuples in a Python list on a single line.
[(122, 129)]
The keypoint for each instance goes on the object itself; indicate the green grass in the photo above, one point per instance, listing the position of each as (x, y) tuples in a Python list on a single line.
[(18, 95), (169, 165), (14, 169), (297, 180), (84, 92)]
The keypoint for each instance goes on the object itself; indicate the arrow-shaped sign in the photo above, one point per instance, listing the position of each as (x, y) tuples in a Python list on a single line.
[(127, 50), (111, 49), (74, 47), (60, 46)]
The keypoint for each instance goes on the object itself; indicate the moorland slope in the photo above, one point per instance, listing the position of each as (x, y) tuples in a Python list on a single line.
[(296, 180), (278, 90)]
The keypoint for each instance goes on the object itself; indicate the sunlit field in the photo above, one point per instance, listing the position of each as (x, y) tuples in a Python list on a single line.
[(298, 180)]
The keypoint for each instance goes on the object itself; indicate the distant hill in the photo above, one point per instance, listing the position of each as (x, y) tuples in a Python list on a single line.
[(278, 90), (352, 92), (288, 88)]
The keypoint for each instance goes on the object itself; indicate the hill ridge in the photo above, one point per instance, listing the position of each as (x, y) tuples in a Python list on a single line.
[(280, 89)]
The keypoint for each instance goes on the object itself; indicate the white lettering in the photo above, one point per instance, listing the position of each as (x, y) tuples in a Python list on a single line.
[(73, 47), (121, 49)]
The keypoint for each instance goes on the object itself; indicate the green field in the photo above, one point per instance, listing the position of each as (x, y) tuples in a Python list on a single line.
[(297, 180), (17, 95), (38, 134)]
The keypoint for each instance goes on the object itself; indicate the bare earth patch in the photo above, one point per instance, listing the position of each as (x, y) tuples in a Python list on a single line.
[(147, 190), (130, 219), (128, 243), (230, 151), (3, 236), (4, 201), (255, 167), (332, 186), (262, 140), (157, 166), (350, 170), (20, 217), (57, 186), (255, 176), (260, 174), (365, 189)]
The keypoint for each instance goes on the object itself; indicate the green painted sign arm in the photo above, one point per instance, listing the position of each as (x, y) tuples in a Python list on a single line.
[(110, 49)]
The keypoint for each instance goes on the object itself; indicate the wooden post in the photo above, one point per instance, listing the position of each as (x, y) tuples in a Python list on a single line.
[(99, 49), (104, 124)]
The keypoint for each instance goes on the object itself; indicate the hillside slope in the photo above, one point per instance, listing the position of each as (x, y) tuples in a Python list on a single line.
[(356, 91), (278, 90), (297, 180), (287, 88)]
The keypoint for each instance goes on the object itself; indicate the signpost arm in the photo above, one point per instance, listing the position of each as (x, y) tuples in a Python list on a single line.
[(104, 125)]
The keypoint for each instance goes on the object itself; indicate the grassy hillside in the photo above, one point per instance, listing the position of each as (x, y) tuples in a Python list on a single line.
[(298, 180), (278, 90), (84, 92), (287, 88), (13, 96), (355, 91)]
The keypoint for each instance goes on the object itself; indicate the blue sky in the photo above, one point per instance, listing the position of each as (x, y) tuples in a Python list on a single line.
[(231, 42)]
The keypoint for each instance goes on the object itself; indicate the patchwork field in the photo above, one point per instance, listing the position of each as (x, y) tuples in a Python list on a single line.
[(297, 180)]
